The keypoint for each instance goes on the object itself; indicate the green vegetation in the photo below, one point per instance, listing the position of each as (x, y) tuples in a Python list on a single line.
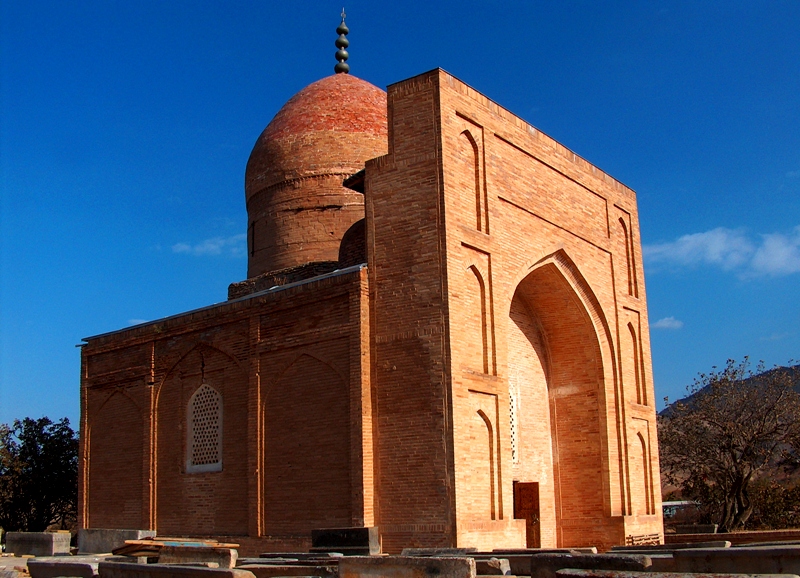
[(38, 475)]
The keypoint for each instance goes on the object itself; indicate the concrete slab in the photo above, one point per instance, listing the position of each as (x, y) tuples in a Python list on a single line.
[(406, 567), (223, 557), (102, 540), (38, 543), (123, 570), (546, 565)]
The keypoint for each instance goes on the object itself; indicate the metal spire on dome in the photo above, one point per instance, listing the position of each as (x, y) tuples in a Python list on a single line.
[(341, 43)]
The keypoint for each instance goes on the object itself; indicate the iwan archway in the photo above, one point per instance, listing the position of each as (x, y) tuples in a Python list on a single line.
[(555, 371)]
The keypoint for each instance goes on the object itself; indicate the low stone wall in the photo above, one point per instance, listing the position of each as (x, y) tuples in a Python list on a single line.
[(749, 537)]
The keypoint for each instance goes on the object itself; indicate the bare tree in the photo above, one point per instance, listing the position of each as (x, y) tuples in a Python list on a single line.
[(736, 424)]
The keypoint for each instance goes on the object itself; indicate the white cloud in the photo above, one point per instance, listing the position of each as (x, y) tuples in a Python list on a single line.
[(667, 323), (778, 254), (731, 250), (137, 321), (724, 247), (234, 246)]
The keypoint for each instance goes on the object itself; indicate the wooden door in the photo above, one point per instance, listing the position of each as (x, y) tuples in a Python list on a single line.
[(526, 506)]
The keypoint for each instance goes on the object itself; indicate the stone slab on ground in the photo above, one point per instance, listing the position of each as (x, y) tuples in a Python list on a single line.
[(223, 557), (428, 552), (519, 561), (348, 541), (11, 567), (102, 540), (662, 562), (406, 567), (273, 570), (742, 560), (546, 565), (38, 543), (333, 561), (575, 573), (492, 567), (299, 555), (519, 565), (670, 547), (131, 559), (123, 570), (53, 567), (501, 551)]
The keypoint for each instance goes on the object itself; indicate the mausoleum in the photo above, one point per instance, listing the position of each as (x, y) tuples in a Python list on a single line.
[(442, 335)]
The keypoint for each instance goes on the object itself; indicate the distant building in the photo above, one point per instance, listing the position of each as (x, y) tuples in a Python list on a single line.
[(443, 334)]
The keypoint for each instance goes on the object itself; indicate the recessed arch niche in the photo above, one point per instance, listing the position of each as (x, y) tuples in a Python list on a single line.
[(555, 372)]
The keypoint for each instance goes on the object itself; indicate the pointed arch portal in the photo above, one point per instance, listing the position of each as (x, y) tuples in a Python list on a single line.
[(556, 373)]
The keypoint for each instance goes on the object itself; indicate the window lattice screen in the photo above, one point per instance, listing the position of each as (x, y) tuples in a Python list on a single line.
[(205, 430)]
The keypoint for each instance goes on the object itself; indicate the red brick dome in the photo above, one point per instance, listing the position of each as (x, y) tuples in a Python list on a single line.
[(333, 125), (298, 210)]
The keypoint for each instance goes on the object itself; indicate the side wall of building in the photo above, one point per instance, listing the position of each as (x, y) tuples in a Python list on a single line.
[(259, 370)]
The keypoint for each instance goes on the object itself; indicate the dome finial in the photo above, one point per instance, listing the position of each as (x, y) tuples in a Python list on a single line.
[(341, 43)]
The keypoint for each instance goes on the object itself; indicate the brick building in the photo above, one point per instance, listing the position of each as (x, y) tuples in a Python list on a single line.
[(443, 334)]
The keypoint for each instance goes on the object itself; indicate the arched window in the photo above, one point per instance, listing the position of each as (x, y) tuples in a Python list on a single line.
[(204, 431)]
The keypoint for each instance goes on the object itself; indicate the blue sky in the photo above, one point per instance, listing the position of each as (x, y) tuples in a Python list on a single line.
[(125, 128)]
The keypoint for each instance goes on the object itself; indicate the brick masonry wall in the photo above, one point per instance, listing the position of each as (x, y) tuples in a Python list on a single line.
[(302, 220), (283, 361), (409, 363), (535, 223)]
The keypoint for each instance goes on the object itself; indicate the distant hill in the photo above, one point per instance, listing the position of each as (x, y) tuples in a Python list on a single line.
[(792, 370)]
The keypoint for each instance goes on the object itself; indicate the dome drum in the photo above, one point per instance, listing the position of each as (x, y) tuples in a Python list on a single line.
[(299, 222), (298, 209)]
